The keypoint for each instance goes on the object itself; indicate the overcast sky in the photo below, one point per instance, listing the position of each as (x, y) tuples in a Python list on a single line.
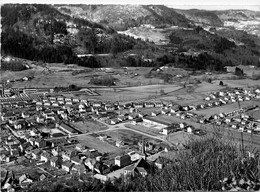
[(182, 4)]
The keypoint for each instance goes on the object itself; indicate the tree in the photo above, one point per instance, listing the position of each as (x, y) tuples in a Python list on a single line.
[(221, 83), (239, 72)]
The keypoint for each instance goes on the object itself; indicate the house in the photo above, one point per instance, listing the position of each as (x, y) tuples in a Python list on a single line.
[(68, 154), (90, 162), (81, 147), (67, 166), (141, 167), (45, 156), (36, 154), (32, 140), (57, 151), (133, 155), (148, 104), (122, 161), (207, 98), (137, 105), (114, 121), (40, 143), (159, 162), (121, 118), (67, 129), (183, 125), (158, 104), (76, 161), (25, 181), (56, 161), (170, 129), (155, 113), (23, 146), (25, 114), (19, 124), (190, 129), (165, 111), (40, 119)]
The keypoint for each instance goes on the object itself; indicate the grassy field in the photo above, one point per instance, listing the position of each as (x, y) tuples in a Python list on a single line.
[(132, 93), (223, 109), (95, 143), (89, 126), (150, 131)]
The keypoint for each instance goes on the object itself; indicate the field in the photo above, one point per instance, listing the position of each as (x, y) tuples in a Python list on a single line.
[(88, 126), (95, 143), (132, 93), (143, 129), (223, 109)]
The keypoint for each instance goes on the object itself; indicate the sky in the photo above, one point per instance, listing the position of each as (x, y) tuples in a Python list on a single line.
[(181, 4)]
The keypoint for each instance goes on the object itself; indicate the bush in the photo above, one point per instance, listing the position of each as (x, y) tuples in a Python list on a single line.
[(104, 81)]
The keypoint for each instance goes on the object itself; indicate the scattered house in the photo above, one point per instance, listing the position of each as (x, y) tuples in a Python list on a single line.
[(67, 129), (25, 114), (190, 129), (40, 143), (57, 151), (148, 104), (36, 154), (141, 167), (114, 121), (45, 156), (40, 119), (155, 113), (122, 161), (183, 125), (68, 154), (158, 104), (170, 129), (76, 160), (25, 181), (137, 105), (56, 161), (81, 147), (159, 162), (67, 166)]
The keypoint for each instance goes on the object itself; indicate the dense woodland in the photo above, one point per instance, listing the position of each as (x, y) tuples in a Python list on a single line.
[(36, 42)]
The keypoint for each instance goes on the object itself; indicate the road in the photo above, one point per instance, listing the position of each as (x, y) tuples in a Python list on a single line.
[(121, 126), (45, 171), (228, 133)]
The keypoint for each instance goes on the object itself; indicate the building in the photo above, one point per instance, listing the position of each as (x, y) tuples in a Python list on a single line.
[(45, 156), (122, 161), (170, 129), (40, 143), (141, 167), (56, 161), (36, 154), (67, 166), (67, 129)]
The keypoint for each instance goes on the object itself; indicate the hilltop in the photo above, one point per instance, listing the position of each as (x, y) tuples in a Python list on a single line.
[(61, 33)]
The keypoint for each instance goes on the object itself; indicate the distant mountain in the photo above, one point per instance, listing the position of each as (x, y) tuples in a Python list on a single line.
[(201, 17), (61, 32), (121, 17), (246, 20)]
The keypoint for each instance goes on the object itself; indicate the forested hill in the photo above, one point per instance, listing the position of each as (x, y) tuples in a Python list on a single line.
[(121, 17), (41, 32), (61, 32)]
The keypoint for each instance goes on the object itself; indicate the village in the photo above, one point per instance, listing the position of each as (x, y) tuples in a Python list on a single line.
[(47, 135)]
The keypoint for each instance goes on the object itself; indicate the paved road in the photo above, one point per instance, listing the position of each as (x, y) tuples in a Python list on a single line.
[(45, 171), (228, 133)]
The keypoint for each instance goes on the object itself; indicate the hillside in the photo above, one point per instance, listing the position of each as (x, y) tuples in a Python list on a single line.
[(245, 20), (62, 32), (41, 32), (122, 17), (201, 17)]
